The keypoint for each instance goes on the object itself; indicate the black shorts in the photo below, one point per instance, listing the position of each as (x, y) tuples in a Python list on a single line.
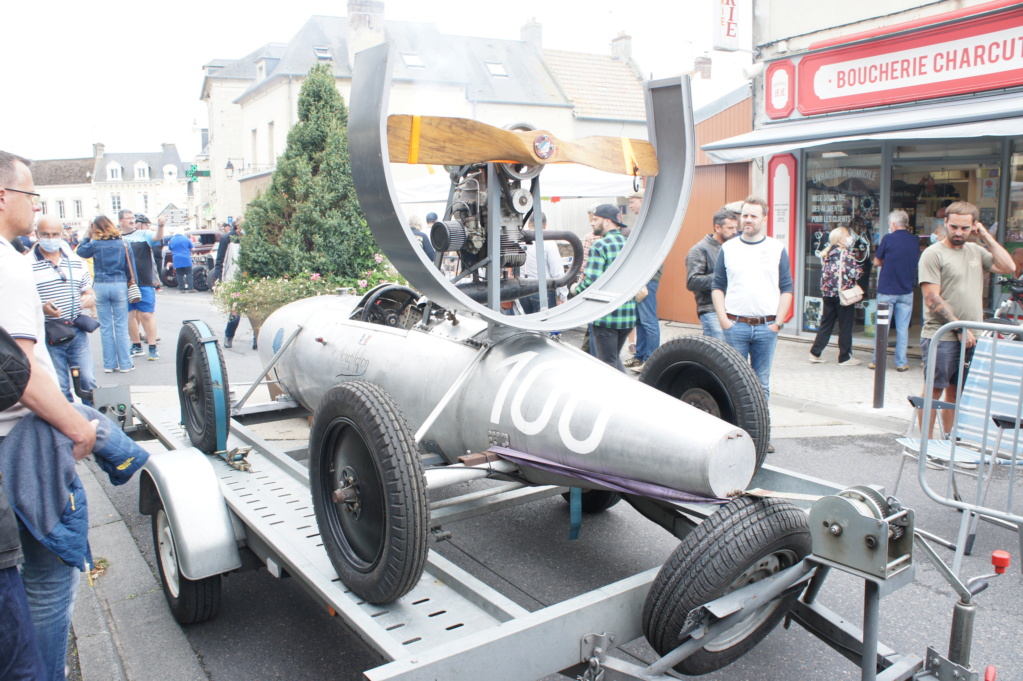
[(946, 365)]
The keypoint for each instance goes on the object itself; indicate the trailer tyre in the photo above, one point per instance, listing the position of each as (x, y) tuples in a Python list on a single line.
[(710, 375), (199, 393), (596, 500), (369, 492), (744, 542), (191, 601)]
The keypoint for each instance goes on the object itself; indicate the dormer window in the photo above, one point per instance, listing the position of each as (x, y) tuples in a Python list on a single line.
[(322, 53), (412, 59), (114, 171), (141, 171), (496, 69)]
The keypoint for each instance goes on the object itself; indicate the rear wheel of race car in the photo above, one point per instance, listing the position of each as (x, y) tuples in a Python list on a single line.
[(745, 541), (191, 601), (200, 278), (369, 492), (169, 276), (710, 375), (203, 392)]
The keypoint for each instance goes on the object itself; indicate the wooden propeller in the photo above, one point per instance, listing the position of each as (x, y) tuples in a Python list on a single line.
[(459, 141)]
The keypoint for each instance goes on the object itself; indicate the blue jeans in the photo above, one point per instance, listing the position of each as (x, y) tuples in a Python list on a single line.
[(648, 328), (531, 304), (902, 311), (51, 587), (712, 325), (112, 309), (19, 651), (74, 354), (758, 343)]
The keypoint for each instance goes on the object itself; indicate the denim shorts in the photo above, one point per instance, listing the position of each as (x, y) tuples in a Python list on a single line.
[(946, 366), (148, 302)]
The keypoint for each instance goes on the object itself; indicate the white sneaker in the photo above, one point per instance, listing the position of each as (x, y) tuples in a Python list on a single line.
[(851, 362), (814, 359)]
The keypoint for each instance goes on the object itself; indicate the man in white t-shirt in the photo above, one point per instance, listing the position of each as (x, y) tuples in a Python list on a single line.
[(51, 585)]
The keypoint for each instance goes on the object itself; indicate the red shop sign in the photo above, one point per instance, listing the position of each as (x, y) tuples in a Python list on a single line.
[(977, 54)]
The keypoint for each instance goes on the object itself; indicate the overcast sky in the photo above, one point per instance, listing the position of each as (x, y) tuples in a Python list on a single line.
[(129, 75)]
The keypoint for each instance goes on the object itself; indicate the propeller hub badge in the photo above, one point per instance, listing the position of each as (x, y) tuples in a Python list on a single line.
[(543, 145)]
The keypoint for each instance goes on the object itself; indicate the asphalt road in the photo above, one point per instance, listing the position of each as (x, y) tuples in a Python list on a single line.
[(270, 629)]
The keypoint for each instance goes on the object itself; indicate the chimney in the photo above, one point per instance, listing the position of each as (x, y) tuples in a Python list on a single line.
[(532, 33), (365, 26), (97, 150), (702, 65), (621, 48)]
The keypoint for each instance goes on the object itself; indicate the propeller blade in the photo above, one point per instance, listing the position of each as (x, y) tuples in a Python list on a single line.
[(459, 141)]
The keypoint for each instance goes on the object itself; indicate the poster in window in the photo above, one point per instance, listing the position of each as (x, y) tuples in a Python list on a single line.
[(813, 308)]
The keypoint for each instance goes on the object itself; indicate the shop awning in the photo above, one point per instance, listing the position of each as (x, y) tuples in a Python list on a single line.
[(998, 116)]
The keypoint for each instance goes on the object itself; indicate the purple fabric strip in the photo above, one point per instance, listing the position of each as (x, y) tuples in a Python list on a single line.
[(612, 482)]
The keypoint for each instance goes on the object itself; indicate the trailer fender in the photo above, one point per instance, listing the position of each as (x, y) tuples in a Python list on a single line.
[(204, 536)]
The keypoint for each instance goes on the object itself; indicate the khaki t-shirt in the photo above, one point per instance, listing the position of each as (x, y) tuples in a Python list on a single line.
[(960, 274)]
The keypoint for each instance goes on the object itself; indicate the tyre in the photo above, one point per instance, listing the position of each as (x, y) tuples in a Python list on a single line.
[(200, 278), (369, 492), (190, 601), (596, 500), (169, 277), (204, 399), (1003, 322), (710, 375), (744, 542)]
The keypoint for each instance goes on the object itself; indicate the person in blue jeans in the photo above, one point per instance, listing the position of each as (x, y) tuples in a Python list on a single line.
[(752, 291), (110, 282), (897, 256), (65, 287), (181, 247), (700, 262)]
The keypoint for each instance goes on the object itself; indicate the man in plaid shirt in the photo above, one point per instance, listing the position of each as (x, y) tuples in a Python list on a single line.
[(609, 333)]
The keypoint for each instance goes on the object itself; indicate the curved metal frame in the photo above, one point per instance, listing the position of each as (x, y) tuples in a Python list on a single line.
[(670, 122)]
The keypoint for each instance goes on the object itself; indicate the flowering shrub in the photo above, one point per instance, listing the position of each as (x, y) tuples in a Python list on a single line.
[(258, 298)]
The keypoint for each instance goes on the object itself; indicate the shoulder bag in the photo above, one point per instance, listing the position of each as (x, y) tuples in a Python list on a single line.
[(14, 371), (134, 293), (849, 296), (58, 331)]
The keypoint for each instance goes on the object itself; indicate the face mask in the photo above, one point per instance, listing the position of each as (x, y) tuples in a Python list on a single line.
[(848, 242), (50, 245)]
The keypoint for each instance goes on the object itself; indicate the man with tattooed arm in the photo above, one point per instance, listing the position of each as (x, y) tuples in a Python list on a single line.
[(951, 281)]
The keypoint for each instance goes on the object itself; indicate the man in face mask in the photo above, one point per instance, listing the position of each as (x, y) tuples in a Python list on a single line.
[(65, 287)]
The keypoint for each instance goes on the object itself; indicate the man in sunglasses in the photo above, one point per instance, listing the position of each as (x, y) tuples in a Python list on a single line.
[(65, 287)]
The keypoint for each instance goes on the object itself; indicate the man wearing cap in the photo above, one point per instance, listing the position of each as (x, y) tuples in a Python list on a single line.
[(752, 291), (607, 334), (648, 327), (135, 232)]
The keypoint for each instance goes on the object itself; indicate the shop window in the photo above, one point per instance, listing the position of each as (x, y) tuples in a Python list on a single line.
[(843, 189), (977, 148), (1014, 221)]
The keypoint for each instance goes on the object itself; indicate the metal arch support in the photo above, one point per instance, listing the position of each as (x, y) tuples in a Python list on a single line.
[(217, 381), (670, 124)]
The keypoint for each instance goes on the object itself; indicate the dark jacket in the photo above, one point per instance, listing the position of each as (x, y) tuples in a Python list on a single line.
[(109, 262), (700, 271)]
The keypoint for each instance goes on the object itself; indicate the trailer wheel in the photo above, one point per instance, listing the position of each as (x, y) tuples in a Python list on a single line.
[(169, 277), (744, 542), (190, 601), (596, 500), (710, 375), (202, 387), (200, 278), (369, 491)]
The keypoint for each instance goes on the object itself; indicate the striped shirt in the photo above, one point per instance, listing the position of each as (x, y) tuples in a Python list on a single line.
[(602, 254), (61, 284)]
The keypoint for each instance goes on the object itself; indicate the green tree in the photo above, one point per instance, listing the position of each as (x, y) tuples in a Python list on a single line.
[(309, 219)]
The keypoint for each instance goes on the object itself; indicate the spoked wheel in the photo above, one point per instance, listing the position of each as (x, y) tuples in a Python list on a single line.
[(369, 492), (169, 276), (375, 313), (202, 388), (710, 375), (744, 542), (190, 601), (200, 278)]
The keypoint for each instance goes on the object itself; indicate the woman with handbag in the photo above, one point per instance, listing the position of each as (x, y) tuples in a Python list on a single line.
[(839, 272), (113, 265)]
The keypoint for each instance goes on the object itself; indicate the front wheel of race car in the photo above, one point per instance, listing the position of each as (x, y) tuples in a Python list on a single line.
[(710, 375)]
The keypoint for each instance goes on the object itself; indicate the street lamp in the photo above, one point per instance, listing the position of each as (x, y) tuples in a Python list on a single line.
[(229, 169)]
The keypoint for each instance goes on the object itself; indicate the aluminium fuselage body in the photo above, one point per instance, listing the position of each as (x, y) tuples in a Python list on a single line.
[(525, 391)]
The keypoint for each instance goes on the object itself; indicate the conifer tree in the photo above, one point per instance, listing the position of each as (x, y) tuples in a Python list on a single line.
[(308, 218)]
